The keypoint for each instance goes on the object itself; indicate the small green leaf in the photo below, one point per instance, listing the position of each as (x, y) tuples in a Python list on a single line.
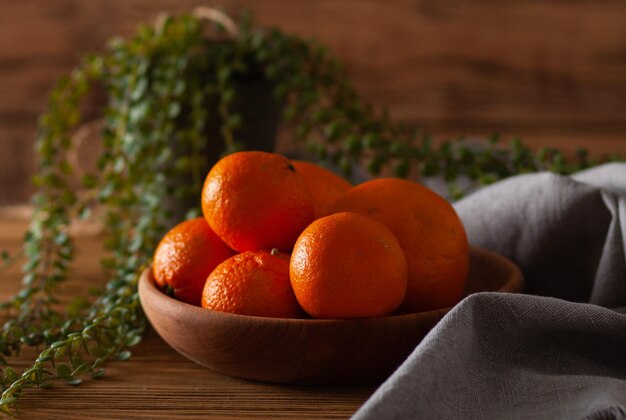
[(235, 121), (374, 166), (57, 344), (371, 141), (173, 110), (77, 361), (133, 341), (29, 279), (43, 358), (75, 381), (345, 165), (30, 339), (352, 144), (402, 169), (228, 96), (183, 164), (223, 74), (84, 213), (332, 131), (123, 355), (303, 131), (63, 370), (9, 375)]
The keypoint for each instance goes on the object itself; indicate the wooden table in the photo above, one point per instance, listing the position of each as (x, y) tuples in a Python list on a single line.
[(157, 382)]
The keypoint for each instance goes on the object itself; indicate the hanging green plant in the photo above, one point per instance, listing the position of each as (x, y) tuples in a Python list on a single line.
[(176, 100)]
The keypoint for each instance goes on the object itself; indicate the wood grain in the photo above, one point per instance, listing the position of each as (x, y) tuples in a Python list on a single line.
[(551, 72), (157, 382)]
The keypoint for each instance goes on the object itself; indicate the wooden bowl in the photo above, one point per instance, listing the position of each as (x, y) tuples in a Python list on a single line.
[(308, 351)]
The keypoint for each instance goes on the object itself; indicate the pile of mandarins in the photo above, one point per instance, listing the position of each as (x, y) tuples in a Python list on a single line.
[(290, 239)]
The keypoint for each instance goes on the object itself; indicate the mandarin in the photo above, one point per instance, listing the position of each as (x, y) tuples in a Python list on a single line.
[(256, 200), (325, 186), (428, 230), (252, 283), (185, 257), (348, 266)]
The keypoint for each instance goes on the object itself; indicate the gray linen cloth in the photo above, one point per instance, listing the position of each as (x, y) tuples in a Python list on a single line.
[(556, 352)]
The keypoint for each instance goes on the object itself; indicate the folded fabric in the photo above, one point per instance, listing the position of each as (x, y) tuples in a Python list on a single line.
[(556, 352)]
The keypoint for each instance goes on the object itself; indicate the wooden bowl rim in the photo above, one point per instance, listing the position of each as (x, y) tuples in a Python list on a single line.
[(149, 292)]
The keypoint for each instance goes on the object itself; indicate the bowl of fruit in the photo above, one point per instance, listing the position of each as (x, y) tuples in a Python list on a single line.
[(294, 276)]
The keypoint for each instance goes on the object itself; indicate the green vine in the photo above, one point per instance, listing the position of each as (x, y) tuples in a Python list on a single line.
[(166, 87)]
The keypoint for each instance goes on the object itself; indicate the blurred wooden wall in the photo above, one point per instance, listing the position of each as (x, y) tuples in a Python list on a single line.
[(551, 71)]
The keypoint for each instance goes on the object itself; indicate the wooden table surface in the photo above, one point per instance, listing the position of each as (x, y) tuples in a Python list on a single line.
[(157, 382)]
